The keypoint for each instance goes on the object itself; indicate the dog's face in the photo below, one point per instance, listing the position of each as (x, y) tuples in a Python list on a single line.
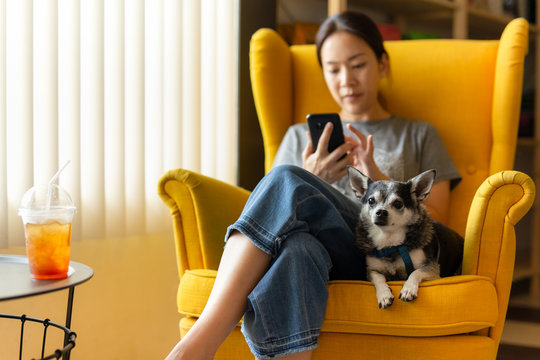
[(390, 205)]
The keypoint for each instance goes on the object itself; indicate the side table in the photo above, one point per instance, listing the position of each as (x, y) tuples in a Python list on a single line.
[(16, 282)]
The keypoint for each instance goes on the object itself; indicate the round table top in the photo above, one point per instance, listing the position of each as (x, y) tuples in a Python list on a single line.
[(16, 281)]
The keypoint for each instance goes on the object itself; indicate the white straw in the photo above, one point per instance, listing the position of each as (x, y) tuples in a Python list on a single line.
[(53, 179), (49, 187)]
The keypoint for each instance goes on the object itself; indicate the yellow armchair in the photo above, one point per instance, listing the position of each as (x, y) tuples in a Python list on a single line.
[(470, 90)]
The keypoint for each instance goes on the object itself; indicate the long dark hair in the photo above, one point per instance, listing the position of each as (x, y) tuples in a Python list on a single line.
[(355, 23)]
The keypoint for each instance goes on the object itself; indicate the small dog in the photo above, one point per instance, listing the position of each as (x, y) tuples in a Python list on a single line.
[(400, 240)]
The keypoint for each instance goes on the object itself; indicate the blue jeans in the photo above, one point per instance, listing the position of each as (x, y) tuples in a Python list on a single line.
[(307, 227)]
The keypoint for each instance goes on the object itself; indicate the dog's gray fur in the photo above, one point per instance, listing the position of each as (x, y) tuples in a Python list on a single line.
[(392, 214)]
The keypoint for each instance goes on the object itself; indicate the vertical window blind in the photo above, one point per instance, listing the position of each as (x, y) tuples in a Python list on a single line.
[(126, 90)]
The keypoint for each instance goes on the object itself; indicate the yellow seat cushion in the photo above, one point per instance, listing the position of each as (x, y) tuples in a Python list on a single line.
[(443, 306), (194, 290)]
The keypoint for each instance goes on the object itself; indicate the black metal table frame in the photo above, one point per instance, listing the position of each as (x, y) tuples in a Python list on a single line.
[(85, 273), (69, 337)]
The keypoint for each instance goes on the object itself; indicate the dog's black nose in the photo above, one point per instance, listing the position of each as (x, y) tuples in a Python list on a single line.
[(381, 217), (381, 214)]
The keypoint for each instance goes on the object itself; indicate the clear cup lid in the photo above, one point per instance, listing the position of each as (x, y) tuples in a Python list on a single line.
[(46, 198)]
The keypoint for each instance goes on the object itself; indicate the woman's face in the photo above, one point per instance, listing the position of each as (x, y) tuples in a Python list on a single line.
[(352, 73)]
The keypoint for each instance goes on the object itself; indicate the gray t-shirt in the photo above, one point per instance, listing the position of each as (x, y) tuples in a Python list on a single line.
[(402, 149)]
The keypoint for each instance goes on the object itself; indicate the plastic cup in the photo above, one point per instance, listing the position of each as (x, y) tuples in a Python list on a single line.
[(47, 212)]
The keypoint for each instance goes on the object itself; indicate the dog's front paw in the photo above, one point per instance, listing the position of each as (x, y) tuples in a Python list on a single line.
[(385, 297), (409, 291)]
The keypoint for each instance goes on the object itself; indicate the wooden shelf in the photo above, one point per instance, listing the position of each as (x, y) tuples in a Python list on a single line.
[(486, 23), (528, 142), (467, 22), (438, 12), (523, 272), (407, 7)]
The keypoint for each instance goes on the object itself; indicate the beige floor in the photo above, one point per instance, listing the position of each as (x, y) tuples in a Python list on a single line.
[(522, 333)]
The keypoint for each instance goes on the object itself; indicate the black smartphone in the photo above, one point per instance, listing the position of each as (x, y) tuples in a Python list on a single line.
[(316, 124)]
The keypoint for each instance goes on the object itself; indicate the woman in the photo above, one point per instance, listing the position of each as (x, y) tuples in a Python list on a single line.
[(297, 231)]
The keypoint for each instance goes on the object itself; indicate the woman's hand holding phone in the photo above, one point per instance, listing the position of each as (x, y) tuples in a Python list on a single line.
[(330, 166)]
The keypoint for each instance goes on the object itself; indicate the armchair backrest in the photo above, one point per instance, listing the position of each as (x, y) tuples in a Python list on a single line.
[(469, 89)]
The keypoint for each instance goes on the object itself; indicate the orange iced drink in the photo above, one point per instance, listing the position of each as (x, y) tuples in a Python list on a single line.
[(47, 212), (47, 247)]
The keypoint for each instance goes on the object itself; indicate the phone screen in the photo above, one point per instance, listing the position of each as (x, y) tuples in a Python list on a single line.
[(316, 124)]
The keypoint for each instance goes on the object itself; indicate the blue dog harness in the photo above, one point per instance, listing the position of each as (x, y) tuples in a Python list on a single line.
[(403, 252)]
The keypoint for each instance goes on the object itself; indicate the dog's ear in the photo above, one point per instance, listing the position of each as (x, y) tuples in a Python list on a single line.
[(421, 184), (359, 182)]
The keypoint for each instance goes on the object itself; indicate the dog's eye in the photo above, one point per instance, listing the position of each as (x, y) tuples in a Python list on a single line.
[(371, 201), (397, 204)]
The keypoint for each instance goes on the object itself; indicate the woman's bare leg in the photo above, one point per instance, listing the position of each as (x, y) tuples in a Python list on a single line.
[(242, 266)]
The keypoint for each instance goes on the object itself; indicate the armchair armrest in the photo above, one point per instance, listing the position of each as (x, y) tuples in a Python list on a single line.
[(499, 203), (201, 209), (490, 240)]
